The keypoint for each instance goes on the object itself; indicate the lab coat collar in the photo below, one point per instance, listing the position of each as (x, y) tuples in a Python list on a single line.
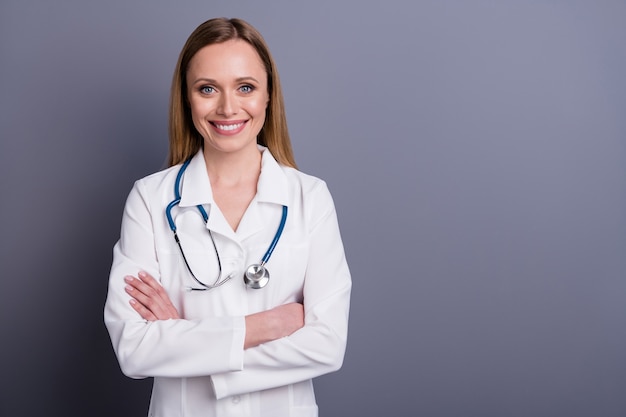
[(195, 185), (271, 188)]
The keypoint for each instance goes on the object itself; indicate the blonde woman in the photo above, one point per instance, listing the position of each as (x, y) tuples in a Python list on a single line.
[(229, 283)]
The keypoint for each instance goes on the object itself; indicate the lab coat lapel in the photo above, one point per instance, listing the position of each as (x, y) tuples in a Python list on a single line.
[(271, 189), (196, 190), (272, 186), (251, 222)]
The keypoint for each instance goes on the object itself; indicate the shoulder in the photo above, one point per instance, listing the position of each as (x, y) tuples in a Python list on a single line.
[(157, 179), (153, 188), (307, 184), (159, 176), (301, 187), (309, 195)]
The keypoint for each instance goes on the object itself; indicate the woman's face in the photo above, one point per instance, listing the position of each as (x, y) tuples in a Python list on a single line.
[(227, 91)]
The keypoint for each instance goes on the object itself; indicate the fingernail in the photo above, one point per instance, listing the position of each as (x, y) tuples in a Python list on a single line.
[(142, 274), (129, 288), (132, 301), (128, 279)]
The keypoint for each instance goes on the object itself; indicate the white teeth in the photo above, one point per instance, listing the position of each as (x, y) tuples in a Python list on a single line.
[(229, 127)]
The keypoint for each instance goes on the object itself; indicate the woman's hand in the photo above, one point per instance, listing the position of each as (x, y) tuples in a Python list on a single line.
[(149, 298), (273, 324)]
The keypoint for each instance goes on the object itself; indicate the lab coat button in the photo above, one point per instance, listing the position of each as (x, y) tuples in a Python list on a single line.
[(236, 399)]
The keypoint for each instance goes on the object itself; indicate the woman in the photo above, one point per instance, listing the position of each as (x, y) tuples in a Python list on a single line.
[(189, 300)]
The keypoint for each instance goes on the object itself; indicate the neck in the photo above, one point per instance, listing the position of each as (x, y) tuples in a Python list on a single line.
[(232, 168)]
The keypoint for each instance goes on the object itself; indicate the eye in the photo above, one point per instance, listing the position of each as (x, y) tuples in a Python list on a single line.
[(246, 89), (207, 89)]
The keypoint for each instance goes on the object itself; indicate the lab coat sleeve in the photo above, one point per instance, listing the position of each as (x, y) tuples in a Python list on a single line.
[(163, 348), (317, 348)]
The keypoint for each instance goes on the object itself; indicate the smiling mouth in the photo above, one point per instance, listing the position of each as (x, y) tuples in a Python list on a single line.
[(228, 127)]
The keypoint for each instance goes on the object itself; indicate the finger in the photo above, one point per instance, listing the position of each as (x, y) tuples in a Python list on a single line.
[(142, 310), (154, 285), (148, 279), (158, 303), (139, 286), (158, 288), (147, 297)]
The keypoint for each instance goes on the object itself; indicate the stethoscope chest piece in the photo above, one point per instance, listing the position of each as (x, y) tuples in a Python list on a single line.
[(256, 276)]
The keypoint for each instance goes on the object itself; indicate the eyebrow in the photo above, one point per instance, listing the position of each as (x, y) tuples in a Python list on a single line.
[(212, 81)]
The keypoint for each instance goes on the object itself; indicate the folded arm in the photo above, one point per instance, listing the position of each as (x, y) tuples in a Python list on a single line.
[(150, 300)]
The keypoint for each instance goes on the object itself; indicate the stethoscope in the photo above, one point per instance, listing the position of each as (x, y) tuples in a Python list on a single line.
[(256, 275)]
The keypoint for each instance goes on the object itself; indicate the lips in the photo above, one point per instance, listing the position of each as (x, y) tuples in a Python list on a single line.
[(229, 127)]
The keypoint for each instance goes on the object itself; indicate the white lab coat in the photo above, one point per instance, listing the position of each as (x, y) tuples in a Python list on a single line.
[(198, 363)]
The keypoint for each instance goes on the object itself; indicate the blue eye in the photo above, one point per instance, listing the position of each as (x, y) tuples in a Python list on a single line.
[(206, 89), (246, 89)]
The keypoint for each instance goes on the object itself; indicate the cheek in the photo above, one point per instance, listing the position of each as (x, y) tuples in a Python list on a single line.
[(258, 108), (197, 107), (199, 110)]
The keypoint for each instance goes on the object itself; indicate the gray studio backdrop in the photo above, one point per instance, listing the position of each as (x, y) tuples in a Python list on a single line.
[(476, 151)]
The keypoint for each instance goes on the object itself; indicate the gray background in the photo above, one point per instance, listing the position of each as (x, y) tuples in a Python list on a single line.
[(476, 151)]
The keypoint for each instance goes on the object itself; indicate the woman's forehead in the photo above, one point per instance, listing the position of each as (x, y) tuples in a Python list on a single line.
[(230, 59)]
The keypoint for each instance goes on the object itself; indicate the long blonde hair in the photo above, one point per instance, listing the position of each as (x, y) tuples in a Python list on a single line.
[(185, 141)]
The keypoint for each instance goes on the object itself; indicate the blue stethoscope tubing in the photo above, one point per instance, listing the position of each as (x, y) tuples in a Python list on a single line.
[(256, 275)]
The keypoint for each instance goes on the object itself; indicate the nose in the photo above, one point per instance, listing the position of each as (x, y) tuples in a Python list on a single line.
[(227, 105)]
